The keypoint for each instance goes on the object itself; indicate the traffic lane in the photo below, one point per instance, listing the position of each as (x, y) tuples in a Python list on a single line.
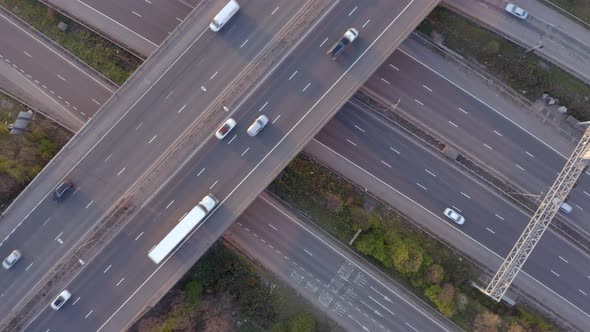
[(563, 267), (49, 72), (467, 123), (523, 165), (121, 174), (153, 20), (261, 177), (498, 230), (324, 287), (346, 281), (423, 177), (120, 170)]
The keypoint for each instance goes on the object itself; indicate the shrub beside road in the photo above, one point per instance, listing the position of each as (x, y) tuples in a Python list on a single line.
[(524, 72), (434, 271)]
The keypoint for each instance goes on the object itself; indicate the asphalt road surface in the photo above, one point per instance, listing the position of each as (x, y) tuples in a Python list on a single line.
[(369, 141), (305, 77), (328, 274)]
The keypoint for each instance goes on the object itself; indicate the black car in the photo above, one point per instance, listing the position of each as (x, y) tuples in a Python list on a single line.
[(63, 189)]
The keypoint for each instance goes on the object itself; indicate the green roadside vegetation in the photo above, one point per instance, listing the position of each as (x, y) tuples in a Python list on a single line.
[(524, 72), (99, 53), (23, 156), (431, 269), (226, 292), (578, 8)]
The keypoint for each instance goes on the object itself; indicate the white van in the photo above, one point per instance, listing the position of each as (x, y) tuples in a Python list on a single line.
[(565, 208), (224, 15)]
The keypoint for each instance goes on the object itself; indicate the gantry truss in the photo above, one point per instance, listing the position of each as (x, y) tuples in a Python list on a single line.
[(541, 219)]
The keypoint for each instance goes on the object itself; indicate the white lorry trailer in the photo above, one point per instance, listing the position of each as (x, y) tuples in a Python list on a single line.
[(182, 229)]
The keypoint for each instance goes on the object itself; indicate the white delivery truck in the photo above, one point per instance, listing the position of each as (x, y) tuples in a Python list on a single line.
[(224, 15), (182, 229)]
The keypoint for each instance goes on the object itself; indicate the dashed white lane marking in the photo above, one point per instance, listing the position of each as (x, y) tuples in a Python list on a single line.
[(293, 75), (456, 208), (78, 299), (271, 226), (394, 67), (497, 133), (244, 43), (386, 81), (275, 120), (381, 305), (487, 146), (353, 10), (274, 11), (213, 185), (139, 126), (579, 207), (108, 268), (359, 128), (88, 314), (587, 194), (556, 43), (88, 205), (148, 1), (201, 171), (30, 56), (325, 40), (213, 76), (491, 231), (427, 88), (419, 102), (464, 194), (429, 172), (520, 167), (263, 106), (386, 164), (61, 77), (153, 138), (307, 86), (421, 186), (120, 281), (136, 14), (170, 94), (351, 142), (94, 100), (243, 153), (499, 216), (365, 24), (462, 110), (169, 204), (563, 259), (394, 150), (137, 237), (58, 235), (529, 154), (121, 171), (309, 253), (46, 221), (554, 273), (452, 123), (182, 108), (179, 19), (232, 139), (28, 267), (581, 291), (410, 326)]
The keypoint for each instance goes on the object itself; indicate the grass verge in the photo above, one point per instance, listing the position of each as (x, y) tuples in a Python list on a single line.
[(578, 8), (524, 72), (225, 292), (109, 59), (431, 269), (23, 156)]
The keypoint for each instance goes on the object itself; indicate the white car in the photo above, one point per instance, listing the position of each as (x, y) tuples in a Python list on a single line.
[(257, 125), (454, 216), (61, 299), (517, 11), (11, 259), (225, 129)]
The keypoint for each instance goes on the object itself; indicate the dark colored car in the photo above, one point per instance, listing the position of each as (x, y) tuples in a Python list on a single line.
[(64, 189)]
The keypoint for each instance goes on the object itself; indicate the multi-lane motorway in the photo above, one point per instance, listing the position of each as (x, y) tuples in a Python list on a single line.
[(235, 169), (327, 273)]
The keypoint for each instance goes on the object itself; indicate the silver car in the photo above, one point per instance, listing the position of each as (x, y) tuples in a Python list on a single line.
[(11, 259), (257, 126), (61, 299), (454, 216), (517, 11)]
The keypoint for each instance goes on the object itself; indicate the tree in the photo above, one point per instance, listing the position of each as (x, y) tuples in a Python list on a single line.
[(371, 243), (435, 274), (487, 321), (447, 295), (302, 322)]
